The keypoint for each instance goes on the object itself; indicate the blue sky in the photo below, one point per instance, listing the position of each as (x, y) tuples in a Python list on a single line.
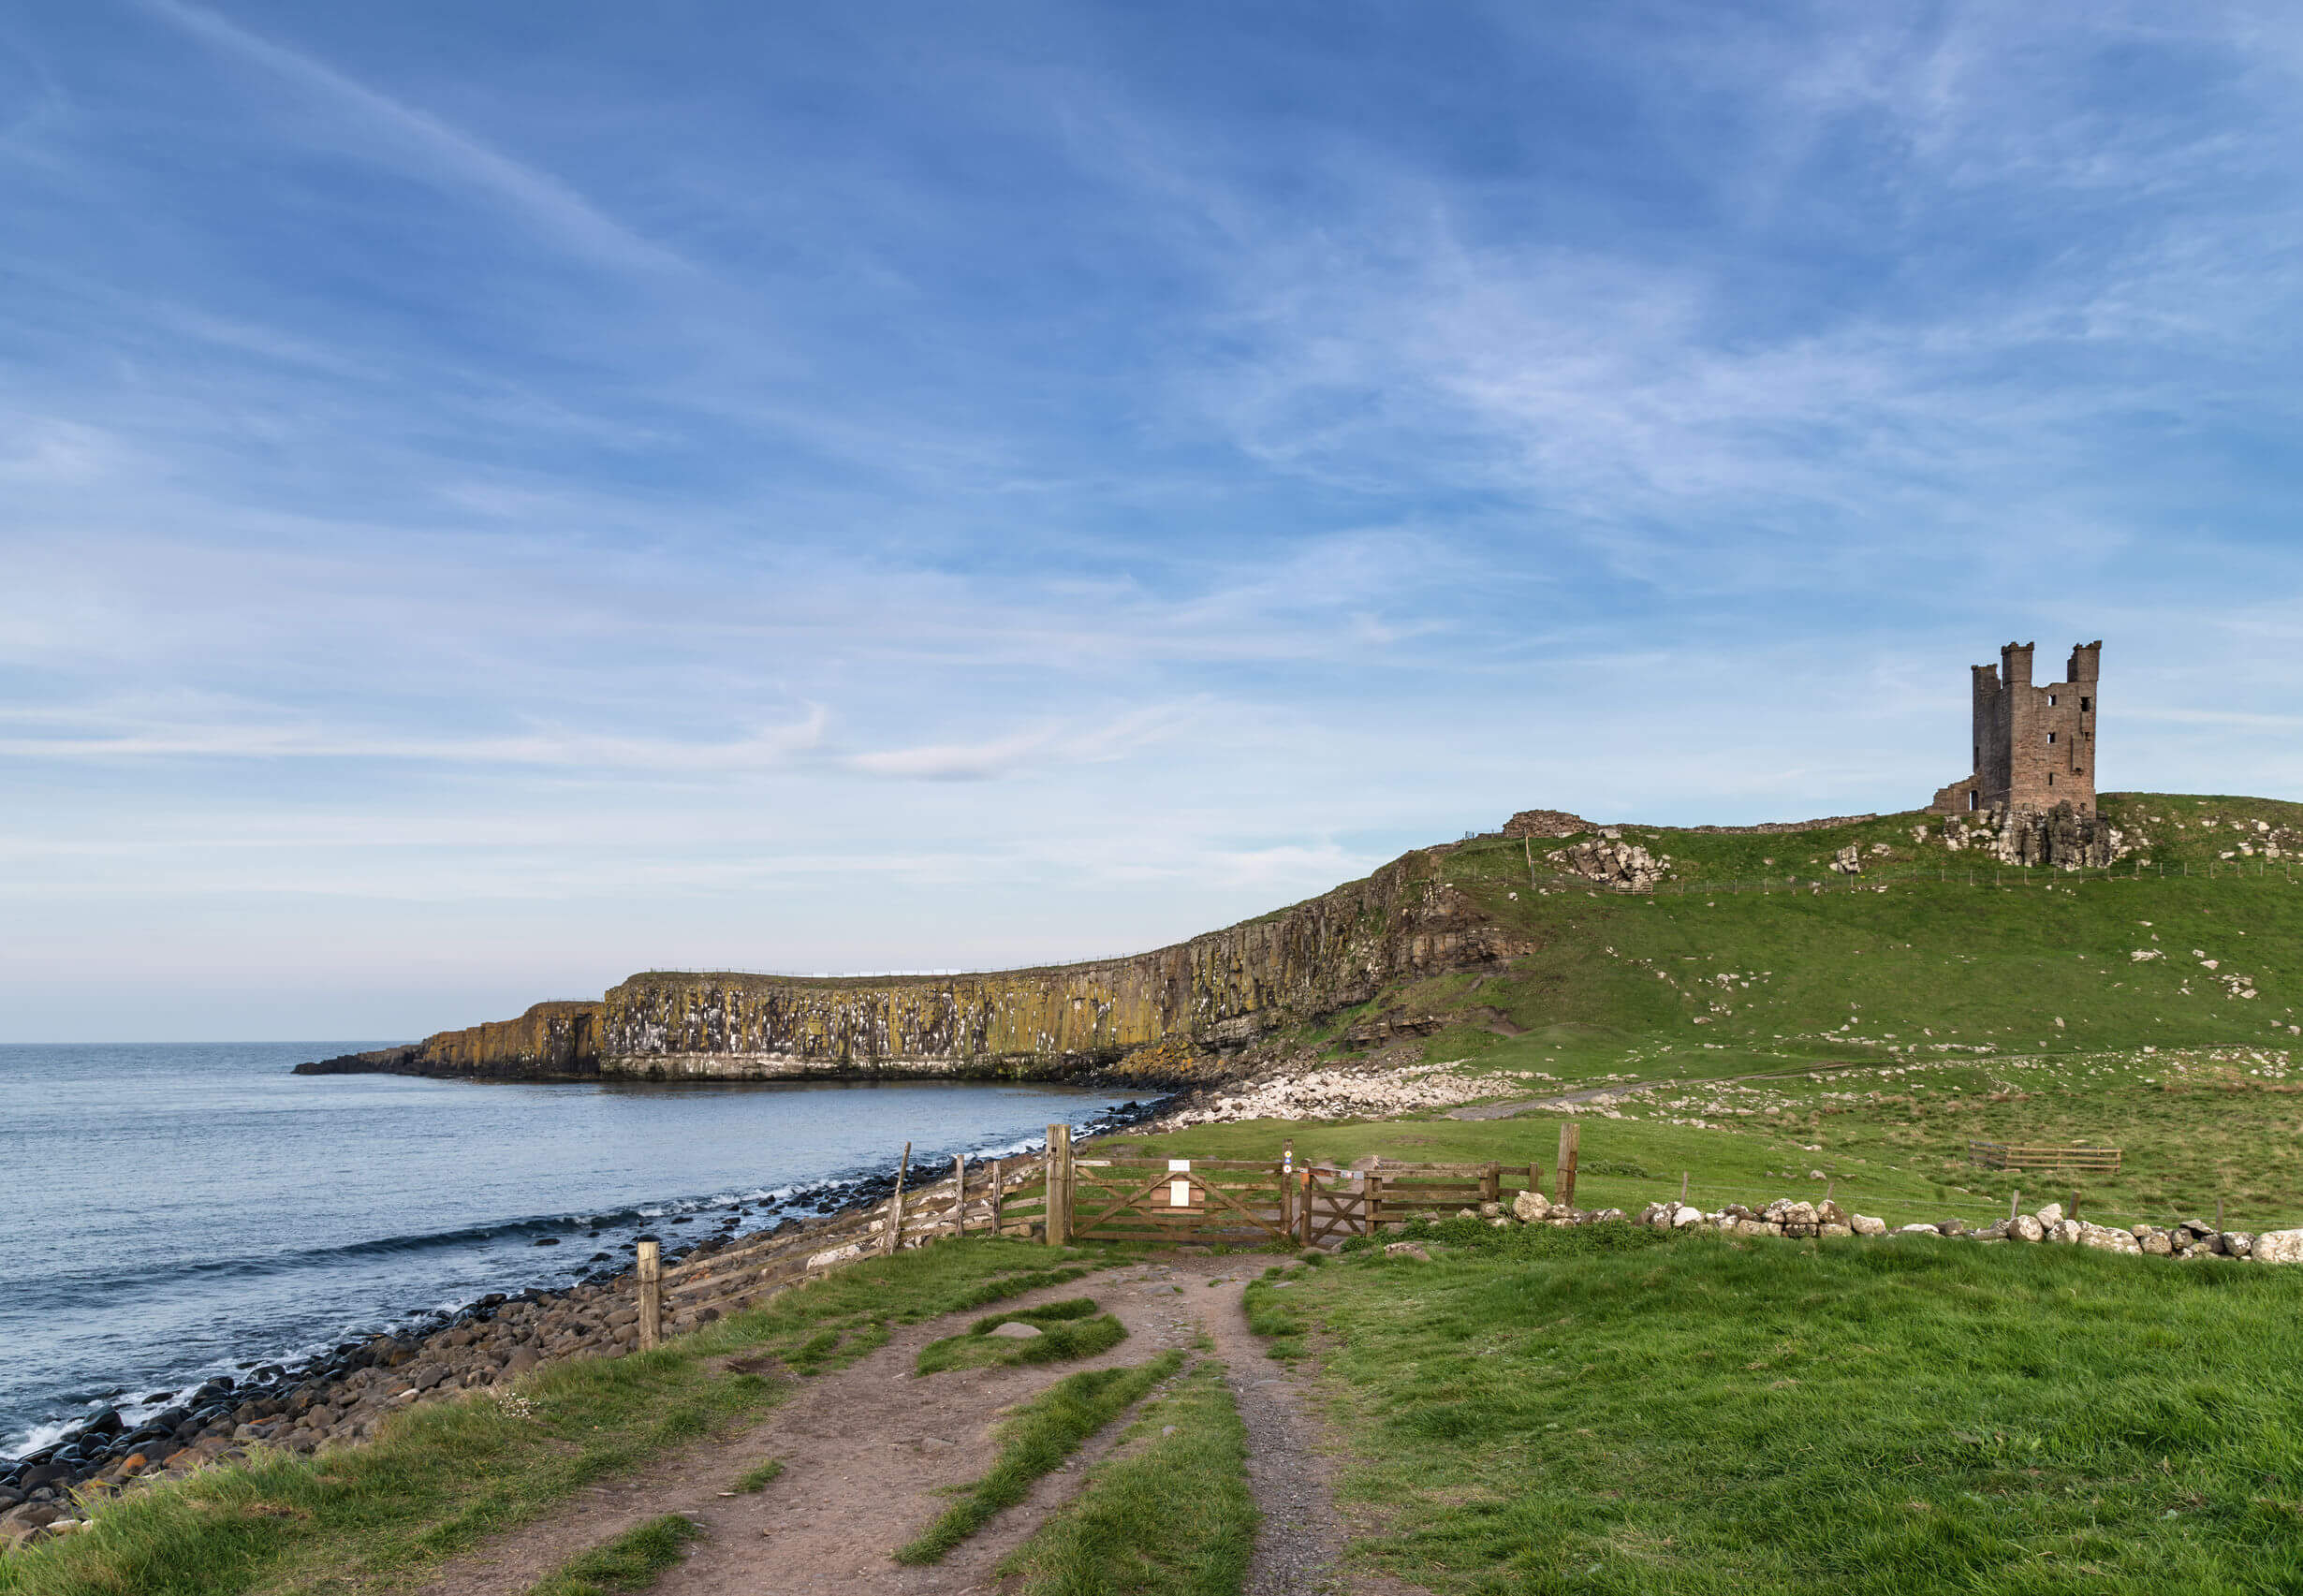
[(497, 497)]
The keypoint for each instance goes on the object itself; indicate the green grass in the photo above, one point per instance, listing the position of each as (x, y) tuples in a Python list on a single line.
[(1047, 1314), (1273, 1314), (1042, 1434), (441, 1478), (1066, 1334), (761, 1477), (632, 1561), (1169, 1515), (1882, 1418)]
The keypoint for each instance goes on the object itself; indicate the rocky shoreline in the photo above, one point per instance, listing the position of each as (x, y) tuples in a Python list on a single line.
[(338, 1397)]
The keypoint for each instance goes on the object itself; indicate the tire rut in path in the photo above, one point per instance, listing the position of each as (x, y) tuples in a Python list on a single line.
[(1291, 1470)]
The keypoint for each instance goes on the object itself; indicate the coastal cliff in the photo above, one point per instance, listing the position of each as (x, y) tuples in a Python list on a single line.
[(1218, 991)]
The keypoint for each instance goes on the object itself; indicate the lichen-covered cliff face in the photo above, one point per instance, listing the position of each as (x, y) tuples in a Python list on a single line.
[(1219, 991), (550, 1040)]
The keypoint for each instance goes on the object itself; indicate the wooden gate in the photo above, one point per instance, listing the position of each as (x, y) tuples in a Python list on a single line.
[(1331, 1205), (1241, 1201)]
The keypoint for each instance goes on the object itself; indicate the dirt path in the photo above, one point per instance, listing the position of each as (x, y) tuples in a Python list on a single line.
[(869, 1452)]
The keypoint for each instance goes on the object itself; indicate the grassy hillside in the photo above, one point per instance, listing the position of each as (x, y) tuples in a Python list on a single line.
[(1901, 1024), (1930, 955)]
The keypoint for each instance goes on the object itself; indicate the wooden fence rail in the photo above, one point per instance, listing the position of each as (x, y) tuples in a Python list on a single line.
[(1057, 1197), (2012, 1155)]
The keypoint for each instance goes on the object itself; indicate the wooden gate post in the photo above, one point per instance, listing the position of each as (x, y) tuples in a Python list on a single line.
[(1536, 1178), (1303, 1206), (1059, 1185), (1375, 1198), (1287, 1187), (996, 1193), (895, 1204), (1491, 1183), (1570, 1139), (959, 1193), (651, 1295)]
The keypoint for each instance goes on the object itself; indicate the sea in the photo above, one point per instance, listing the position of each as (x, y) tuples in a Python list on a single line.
[(184, 1210)]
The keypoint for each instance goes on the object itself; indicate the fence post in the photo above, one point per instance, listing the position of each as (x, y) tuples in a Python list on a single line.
[(1492, 1184), (1287, 1186), (995, 1196), (895, 1204), (2074, 1202), (1570, 1139), (1059, 1185), (651, 1295), (1374, 1198), (959, 1193), (1536, 1178), (2015, 1204)]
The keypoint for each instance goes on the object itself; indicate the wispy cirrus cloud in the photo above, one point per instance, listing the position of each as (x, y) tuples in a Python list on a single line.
[(425, 146)]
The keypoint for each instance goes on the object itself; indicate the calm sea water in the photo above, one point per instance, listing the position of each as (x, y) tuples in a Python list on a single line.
[(177, 1211)]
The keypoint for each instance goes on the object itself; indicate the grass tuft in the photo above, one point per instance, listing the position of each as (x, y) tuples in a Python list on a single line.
[(1041, 1435), (632, 1561), (1066, 1334), (759, 1478)]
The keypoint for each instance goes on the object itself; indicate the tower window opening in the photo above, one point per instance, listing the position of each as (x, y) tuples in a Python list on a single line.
[(2050, 737), (2050, 700), (2050, 778), (2085, 705)]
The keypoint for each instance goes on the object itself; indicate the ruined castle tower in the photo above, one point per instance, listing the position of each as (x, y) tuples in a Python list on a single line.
[(2034, 746)]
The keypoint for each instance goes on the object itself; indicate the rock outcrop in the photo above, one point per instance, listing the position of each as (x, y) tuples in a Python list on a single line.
[(1611, 862), (1216, 992), (2061, 836)]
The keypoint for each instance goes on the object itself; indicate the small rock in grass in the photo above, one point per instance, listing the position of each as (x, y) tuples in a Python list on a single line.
[(1864, 1224), (1015, 1330), (1406, 1249)]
